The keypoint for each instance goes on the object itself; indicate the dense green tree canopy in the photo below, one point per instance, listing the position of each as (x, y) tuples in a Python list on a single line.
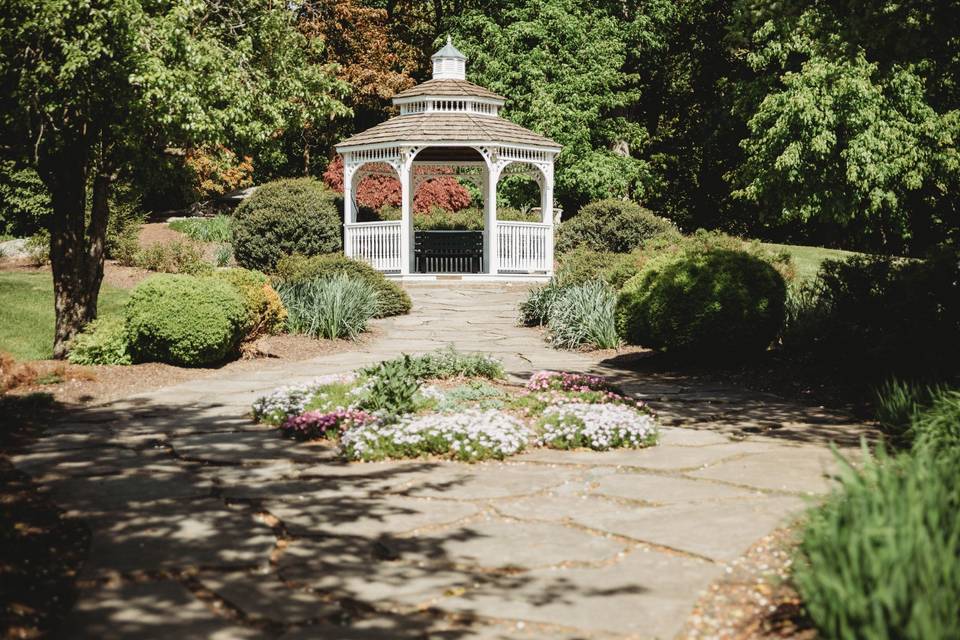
[(562, 66), (93, 89)]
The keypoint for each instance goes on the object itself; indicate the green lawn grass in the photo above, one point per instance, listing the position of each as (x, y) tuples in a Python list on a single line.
[(807, 259), (26, 313)]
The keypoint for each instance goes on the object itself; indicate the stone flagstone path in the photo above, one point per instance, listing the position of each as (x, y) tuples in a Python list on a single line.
[(206, 525)]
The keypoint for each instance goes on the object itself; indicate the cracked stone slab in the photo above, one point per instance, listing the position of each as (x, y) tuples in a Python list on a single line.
[(502, 544), (660, 457), (265, 596), (487, 481), (65, 463), (248, 447), (722, 531), (647, 594), (665, 489), (178, 534), (149, 611), (796, 469), (367, 517), (86, 496)]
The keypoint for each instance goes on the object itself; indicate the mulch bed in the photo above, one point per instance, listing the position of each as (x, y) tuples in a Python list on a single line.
[(754, 598)]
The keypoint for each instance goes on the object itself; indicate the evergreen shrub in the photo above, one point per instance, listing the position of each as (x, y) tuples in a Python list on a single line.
[(185, 320), (618, 226), (285, 217), (703, 303)]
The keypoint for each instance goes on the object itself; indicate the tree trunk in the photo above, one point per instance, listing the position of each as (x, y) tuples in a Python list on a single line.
[(76, 247)]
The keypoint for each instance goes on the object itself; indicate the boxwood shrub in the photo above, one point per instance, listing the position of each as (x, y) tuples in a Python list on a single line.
[(392, 300), (705, 303), (266, 313), (185, 320), (284, 217), (612, 225)]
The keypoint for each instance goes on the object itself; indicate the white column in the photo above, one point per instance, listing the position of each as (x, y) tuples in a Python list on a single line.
[(406, 218), (491, 256), (348, 212), (546, 210)]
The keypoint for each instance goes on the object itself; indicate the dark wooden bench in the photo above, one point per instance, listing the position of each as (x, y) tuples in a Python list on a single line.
[(448, 251)]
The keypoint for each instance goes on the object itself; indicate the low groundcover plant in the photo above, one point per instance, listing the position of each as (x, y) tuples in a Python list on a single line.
[(596, 426), (467, 436), (398, 410)]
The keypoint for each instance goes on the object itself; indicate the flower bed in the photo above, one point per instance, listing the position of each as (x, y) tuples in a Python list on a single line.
[(394, 411)]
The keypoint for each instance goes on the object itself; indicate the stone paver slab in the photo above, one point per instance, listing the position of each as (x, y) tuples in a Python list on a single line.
[(801, 470), (367, 517), (149, 611), (201, 533)]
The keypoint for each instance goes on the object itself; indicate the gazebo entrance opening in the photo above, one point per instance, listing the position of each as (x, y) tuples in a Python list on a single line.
[(448, 127)]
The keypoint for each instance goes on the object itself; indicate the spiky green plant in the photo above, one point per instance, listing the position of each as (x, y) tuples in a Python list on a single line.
[(331, 307), (584, 316)]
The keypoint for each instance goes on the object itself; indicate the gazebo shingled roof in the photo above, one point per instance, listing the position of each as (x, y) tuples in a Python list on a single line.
[(434, 127)]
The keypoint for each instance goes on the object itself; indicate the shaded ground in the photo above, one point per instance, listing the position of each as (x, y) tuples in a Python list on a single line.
[(204, 524)]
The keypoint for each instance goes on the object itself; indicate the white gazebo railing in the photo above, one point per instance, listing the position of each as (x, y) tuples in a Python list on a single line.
[(524, 246), (377, 243)]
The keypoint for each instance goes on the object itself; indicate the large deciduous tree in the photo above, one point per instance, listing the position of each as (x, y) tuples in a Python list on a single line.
[(853, 118), (92, 87)]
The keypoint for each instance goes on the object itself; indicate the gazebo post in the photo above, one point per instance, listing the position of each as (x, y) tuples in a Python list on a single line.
[(406, 218), (490, 252), (348, 216), (546, 210)]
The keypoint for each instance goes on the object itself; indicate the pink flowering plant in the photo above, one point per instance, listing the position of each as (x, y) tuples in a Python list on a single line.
[(566, 381), (330, 425)]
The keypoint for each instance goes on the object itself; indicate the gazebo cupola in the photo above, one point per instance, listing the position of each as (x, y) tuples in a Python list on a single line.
[(450, 126), (449, 63)]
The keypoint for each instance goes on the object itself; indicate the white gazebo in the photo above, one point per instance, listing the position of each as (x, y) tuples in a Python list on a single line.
[(446, 125)]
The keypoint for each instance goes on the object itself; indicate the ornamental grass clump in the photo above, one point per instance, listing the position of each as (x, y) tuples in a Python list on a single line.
[(337, 306), (583, 316), (596, 426), (468, 436), (881, 559)]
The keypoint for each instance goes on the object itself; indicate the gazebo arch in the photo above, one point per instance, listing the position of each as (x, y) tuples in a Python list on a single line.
[(451, 123)]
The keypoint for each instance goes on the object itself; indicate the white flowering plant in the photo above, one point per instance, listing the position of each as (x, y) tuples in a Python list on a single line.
[(468, 436), (600, 427), (279, 405)]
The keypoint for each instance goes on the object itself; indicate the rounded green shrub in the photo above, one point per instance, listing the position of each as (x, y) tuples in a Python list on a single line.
[(284, 217), (392, 300), (706, 303), (266, 313), (612, 225), (185, 320)]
